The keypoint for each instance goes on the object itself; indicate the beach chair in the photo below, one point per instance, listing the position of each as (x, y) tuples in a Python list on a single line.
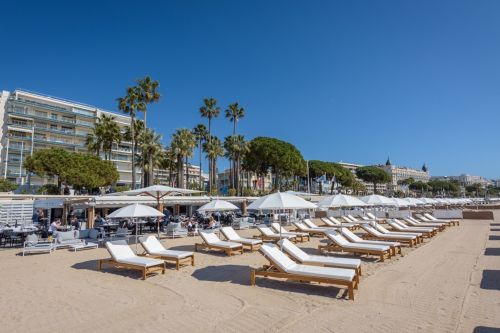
[(123, 257), (353, 238), (301, 227), (423, 219), (212, 242), (301, 257), (434, 219), (283, 267), (232, 236), (411, 221), (155, 249), (267, 234), (401, 227), (340, 244), (299, 236), (35, 245), (374, 233), (350, 225), (312, 225)]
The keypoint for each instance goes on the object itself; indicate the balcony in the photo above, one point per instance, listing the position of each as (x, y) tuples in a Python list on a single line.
[(48, 107), (34, 115)]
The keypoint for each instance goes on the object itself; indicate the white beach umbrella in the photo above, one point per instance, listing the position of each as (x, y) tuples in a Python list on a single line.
[(399, 202), (428, 201), (415, 201), (134, 211), (341, 200), (217, 206), (281, 200), (301, 194), (377, 200)]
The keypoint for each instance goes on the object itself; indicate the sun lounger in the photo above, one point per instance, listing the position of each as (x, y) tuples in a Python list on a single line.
[(411, 240), (35, 245), (232, 236), (434, 219), (348, 219), (401, 227), (411, 221), (299, 236), (340, 244), (312, 225), (212, 242), (353, 238), (423, 219), (301, 227), (267, 234), (283, 267), (155, 249), (123, 257), (350, 225), (302, 257)]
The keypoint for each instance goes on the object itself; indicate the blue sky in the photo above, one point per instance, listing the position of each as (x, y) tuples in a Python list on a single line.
[(356, 81)]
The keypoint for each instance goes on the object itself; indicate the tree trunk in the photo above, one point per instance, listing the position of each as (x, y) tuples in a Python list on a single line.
[(132, 129), (200, 180), (187, 174), (151, 168), (59, 186), (180, 171), (209, 160)]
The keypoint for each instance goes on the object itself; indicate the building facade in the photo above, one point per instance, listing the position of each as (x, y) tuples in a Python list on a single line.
[(381, 188), (466, 180), (165, 177), (246, 179), (398, 173)]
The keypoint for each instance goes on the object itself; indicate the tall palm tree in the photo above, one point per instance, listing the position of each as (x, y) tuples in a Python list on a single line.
[(230, 153), (234, 113), (236, 147), (183, 143), (210, 110), (93, 142), (213, 148), (200, 134), (166, 161), (147, 90), (111, 133), (134, 134), (129, 104), (151, 149)]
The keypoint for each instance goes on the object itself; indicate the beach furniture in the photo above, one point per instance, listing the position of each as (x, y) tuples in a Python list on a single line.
[(299, 236), (122, 256), (338, 223), (424, 219), (340, 244), (231, 235), (155, 249), (353, 238), (34, 245), (175, 229), (267, 234), (433, 219), (374, 233), (307, 259), (66, 238), (283, 267), (212, 242), (401, 227), (312, 225), (301, 227), (411, 221)]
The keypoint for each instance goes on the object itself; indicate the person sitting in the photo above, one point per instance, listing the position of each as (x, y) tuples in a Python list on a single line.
[(54, 226), (211, 222), (74, 222)]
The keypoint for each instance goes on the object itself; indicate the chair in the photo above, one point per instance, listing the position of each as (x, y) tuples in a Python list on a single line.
[(212, 242), (424, 219), (338, 223), (399, 226), (283, 267), (11, 238), (123, 257), (353, 238), (301, 227), (176, 230), (267, 233), (299, 236), (307, 259), (232, 236), (373, 233), (340, 244), (34, 245), (121, 233), (411, 221), (155, 249), (432, 218), (311, 225)]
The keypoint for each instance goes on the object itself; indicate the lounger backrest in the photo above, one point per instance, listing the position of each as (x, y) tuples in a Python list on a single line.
[(365, 218), (336, 238), (371, 230), (327, 221), (293, 250), (430, 217), (119, 250), (310, 224), (299, 225), (352, 218), (350, 235), (280, 259), (209, 237), (394, 224), (151, 244), (419, 216), (335, 221), (381, 228), (230, 233), (278, 227), (266, 231), (370, 215), (346, 219), (401, 224)]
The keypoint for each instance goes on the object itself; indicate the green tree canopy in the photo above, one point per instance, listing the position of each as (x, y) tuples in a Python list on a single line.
[(447, 186), (330, 169), (406, 181), (6, 186), (374, 175)]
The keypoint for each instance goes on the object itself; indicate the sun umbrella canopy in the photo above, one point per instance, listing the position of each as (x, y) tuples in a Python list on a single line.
[(301, 194), (377, 200), (159, 191), (341, 200), (217, 206), (281, 200), (135, 210), (428, 201), (398, 202), (415, 201)]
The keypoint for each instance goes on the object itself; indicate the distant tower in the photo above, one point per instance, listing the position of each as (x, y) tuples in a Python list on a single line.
[(388, 162), (424, 168)]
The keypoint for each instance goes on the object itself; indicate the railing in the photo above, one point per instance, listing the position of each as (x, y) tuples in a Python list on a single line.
[(48, 117)]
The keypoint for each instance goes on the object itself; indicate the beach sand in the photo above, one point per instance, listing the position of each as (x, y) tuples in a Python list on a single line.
[(449, 284)]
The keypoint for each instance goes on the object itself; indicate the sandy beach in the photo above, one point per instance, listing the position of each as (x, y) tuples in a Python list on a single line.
[(451, 283)]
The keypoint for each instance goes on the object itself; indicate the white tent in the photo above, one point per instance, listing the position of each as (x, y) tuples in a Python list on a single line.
[(377, 200), (217, 206), (341, 200)]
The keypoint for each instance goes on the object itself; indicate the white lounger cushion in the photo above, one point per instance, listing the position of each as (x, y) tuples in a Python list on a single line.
[(277, 227), (211, 239), (356, 239), (288, 266), (416, 223), (305, 258), (153, 246), (342, 242), (311, 225), (266, 231), (230, 234), (122, 253), (433, 219), (374, 232), (402, 227), (305, 228)]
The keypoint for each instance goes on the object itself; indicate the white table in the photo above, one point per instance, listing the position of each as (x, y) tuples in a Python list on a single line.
[(83, 246)]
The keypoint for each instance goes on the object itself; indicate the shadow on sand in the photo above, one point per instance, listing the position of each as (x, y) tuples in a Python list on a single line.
[(490, 280), (493, 237), (484, 329), (93, 265), (492, 251)]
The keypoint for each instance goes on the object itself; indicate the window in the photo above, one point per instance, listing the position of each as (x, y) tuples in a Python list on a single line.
[(53, 116)]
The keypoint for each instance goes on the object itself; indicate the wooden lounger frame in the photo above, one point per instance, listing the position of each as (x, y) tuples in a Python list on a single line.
[(311, 233), (333, 247), (178, 261), (251, 247), (265, 238), (274, 271), (409, 242), (426, 234), (145, 270), (229, 251)]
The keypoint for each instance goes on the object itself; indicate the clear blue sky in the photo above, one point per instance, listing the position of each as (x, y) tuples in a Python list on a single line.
[(342, 80)]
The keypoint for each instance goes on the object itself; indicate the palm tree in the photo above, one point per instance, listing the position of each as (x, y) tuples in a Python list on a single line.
[(183, 143), (200, 134), (213, 149), (147, 91), (236, 147), (93, 142), (234, 112), (210, 110), (166, 161), (110, 132), (134, 134), (230, 154), (129, 105), (151, 149)]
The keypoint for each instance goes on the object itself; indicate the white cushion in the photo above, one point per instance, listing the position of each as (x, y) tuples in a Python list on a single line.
[(323, 272)]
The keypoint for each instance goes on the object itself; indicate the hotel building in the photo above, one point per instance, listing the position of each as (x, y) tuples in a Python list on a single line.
[(398, 173)]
